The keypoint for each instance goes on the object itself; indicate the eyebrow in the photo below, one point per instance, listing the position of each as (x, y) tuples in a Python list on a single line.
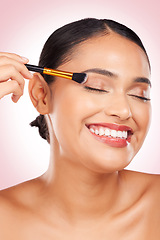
[(143, 80), (114, 75), (101, 71)]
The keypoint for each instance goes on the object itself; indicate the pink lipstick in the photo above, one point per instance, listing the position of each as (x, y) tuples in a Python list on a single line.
[(111, 134)]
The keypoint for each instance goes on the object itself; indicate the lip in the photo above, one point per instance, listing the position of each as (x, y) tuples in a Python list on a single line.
[(113, 126), (113, 142)]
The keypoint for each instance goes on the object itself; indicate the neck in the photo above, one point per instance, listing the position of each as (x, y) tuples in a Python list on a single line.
[(80, 192)]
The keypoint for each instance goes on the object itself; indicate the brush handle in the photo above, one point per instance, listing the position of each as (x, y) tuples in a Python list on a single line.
[(34, 68), (77, 77), (49, 71)]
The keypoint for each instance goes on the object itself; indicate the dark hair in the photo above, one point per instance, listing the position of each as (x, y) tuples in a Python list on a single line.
[(59, 46)]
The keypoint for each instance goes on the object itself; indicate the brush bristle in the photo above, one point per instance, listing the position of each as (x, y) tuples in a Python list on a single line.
[(79, 77)]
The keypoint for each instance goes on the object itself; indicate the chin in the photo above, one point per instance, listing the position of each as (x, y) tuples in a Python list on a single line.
[(106, 164)]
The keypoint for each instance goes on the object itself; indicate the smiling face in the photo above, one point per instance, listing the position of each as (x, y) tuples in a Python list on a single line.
[(102, 129)]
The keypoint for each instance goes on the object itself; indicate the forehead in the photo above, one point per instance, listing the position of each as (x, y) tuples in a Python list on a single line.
[(112, 52)]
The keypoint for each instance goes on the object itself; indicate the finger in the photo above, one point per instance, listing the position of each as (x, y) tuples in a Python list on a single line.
[(14, 56), (11, 87), (19, 66), (15, 98), (10, 72)]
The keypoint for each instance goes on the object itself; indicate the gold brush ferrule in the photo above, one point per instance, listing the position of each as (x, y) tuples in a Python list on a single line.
[(58, 73)]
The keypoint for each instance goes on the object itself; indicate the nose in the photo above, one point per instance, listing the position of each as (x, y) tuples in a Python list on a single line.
[(118, 106)]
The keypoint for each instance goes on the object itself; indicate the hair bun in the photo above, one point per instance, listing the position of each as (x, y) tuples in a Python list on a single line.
[(41, 123)]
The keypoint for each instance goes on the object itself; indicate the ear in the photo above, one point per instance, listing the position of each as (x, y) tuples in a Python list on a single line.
[(40, 94)]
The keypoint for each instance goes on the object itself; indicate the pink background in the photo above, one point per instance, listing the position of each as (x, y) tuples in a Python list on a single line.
[(24, 28)]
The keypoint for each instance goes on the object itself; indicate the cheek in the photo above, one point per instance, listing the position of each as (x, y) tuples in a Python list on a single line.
[(71, 107), (142, 117), (75, 105)]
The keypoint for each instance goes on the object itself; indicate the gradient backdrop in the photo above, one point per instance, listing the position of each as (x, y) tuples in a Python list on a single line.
[(24, 28)]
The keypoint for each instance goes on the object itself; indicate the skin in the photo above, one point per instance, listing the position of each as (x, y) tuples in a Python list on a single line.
[(86, 193)]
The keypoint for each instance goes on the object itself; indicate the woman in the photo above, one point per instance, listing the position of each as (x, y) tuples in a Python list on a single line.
[(94, 130)]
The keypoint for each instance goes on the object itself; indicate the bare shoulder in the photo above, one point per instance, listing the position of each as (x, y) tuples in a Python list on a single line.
[(144, 184), (20, 191), (17, 198), (18, 208), (144, 180), (8, 211), (141, 193)]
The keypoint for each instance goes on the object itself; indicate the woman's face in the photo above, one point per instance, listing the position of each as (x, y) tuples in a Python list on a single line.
[(102, 129)]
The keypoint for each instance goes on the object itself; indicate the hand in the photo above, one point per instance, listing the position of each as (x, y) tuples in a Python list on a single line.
[(12, 74)]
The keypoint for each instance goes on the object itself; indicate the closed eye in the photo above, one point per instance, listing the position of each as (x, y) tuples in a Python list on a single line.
[(139, 97), (90, 89)]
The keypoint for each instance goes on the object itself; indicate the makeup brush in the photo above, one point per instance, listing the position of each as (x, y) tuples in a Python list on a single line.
[(77, 77)]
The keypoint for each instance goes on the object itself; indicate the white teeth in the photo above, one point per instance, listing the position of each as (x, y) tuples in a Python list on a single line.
[(120, 134), (101, 131), (96, 132), (109, 133), (114, 133), (124, 135), (92, 130)]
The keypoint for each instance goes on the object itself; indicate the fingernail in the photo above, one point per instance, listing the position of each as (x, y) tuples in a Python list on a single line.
[(24, 59), (31, 75)]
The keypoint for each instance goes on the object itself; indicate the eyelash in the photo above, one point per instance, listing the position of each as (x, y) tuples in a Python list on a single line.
[(141, 98), (104, 91), (95, 89)]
